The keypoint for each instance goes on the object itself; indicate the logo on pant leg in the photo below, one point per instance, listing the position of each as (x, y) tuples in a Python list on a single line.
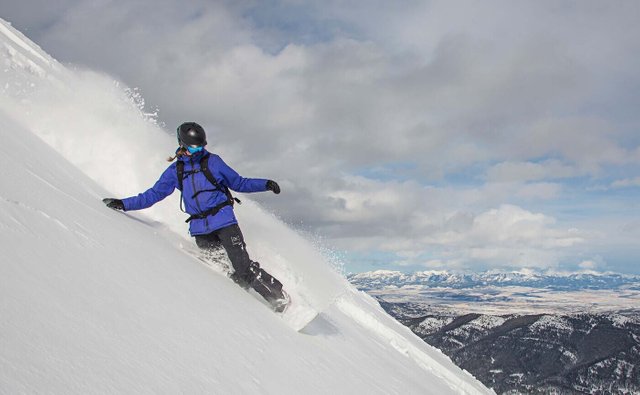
[(237, 241)]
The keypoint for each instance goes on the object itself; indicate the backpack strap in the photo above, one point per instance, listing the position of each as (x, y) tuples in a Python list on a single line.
[(180, 173), (212, 211), (204, 168)]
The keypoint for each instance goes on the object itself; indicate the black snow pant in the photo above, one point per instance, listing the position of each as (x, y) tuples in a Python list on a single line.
[(247, 273)]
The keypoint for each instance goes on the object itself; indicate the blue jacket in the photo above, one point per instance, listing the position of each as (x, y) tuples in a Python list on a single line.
[(203, 201)]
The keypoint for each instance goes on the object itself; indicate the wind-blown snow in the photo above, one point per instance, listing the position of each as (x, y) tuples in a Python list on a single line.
[(94, 301)]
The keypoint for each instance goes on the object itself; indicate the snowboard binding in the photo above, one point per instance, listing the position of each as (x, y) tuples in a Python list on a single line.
[(265, 285)]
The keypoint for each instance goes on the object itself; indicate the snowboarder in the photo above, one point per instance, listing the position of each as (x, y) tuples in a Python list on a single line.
[(204, 180)]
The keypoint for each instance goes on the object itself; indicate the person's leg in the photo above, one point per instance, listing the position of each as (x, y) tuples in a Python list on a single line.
[(228, 241), (212, 249), (210, 241), (233, 242), (248, 273)]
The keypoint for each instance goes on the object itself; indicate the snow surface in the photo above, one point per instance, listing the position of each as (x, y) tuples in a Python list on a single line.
[(547, 322), (97, 301), (433, 324)]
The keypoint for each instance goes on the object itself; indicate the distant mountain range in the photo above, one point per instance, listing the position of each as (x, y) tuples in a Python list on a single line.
[(559, 282)]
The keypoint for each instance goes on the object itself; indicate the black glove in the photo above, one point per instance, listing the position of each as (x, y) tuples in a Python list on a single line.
[(115, 204), (273, 186)]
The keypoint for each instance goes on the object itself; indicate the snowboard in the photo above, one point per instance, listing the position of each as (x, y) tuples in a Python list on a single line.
[(294, 312), (298, 316)]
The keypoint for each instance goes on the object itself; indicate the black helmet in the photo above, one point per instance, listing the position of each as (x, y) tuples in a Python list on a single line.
[(191, 134)]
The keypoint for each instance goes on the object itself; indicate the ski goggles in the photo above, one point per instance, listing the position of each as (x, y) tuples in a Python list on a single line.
[(193, 150)]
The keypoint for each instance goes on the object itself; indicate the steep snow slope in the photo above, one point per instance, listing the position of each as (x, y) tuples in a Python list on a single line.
[(93, 300)]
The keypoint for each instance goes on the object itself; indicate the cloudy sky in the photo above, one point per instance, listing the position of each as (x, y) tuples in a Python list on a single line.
[(406, 135)]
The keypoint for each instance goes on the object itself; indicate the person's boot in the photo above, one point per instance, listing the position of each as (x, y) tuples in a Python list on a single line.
[(280, 304), (267, 286), (241, 279)]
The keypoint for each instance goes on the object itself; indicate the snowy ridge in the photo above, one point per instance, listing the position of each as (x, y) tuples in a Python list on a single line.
[(556, 323), (93, 300), (527, 278), (20, 40), (505, 292)]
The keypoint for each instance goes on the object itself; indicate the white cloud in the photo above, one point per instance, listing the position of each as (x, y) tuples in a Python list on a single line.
[(507, 236), (588, 142), (510, 236), (588, 265), (514, 226)]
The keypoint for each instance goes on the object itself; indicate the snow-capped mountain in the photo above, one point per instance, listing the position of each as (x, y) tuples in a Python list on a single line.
[(96, 301), (561, 282), (506, 292)]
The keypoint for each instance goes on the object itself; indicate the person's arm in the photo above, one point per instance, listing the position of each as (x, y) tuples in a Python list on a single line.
[(163, 187), (238, 183)]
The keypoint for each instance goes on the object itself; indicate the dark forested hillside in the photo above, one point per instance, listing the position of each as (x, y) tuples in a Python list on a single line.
[(538, 353)]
